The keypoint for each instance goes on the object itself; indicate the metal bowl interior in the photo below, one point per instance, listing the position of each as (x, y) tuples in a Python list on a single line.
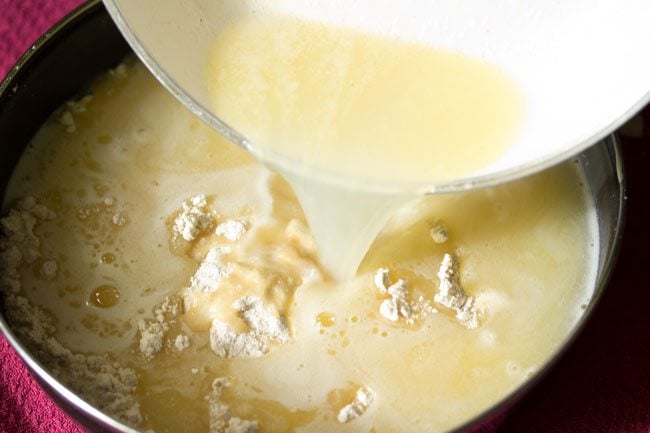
[(86, 43)]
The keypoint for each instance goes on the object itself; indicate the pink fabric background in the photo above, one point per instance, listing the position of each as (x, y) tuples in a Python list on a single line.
[(601, 385)]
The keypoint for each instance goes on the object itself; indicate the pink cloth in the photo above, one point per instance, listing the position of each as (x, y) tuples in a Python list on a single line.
[(24, 407), (602, 385)]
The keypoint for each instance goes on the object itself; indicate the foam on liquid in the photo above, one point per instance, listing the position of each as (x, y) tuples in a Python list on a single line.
[(346, 106)]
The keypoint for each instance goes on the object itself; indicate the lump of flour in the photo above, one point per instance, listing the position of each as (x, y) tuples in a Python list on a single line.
[(211, 271), (153, 333), (67, 118), (398, 306), (255, 276), (221, 419), (452, 295), (362, 400), (194, 218), (232, 230), (439, 234), (264, 323), (19, 244)]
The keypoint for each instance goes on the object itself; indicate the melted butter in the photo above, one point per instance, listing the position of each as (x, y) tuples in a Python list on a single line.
[(362, 106), (167, 404), (105, 296), (325, 320), (107, 258)]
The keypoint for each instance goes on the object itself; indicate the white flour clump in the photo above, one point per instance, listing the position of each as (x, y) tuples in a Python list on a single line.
[(67, 120), (151, 337), (439, 234), (211, 271), (221, 419), (264, 324), (181, 342), (262, 320), (80, 105), (119, 219), (97, 378), (153, 332), (228, 344), (194, 218), (73, 107), (19, 244), (398, 306), (48, 269), (232, 230), (362, 400), (451, 293)]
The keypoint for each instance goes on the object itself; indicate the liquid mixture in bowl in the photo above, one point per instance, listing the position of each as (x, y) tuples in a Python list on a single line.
[(173, 282)]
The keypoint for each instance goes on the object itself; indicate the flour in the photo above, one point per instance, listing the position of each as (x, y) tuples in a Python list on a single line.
[(225, 343), (96, 378), (71, 108), (221, 419), (181, 342), (362, 400), (211, 271), (151, 337), (452, 295), (398, 306), (153, 332), (232, 230), (194, 218), (439, 234), (264, 323), (19, 244), (48, 269), (382, 280), (67, 120), (262, 320), (119, 219), (119, 71)]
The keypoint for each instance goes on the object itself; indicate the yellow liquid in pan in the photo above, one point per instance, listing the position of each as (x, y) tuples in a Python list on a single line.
[(528, 249)]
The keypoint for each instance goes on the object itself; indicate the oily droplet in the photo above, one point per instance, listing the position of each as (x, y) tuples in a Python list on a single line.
[(325, 320), (105, 296), (108, 258)]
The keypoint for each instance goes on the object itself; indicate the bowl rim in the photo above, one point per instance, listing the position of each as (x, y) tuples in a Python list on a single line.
[(498, 408)]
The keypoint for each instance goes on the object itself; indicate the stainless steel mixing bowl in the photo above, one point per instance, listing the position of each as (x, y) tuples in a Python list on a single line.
[(86, 43)]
